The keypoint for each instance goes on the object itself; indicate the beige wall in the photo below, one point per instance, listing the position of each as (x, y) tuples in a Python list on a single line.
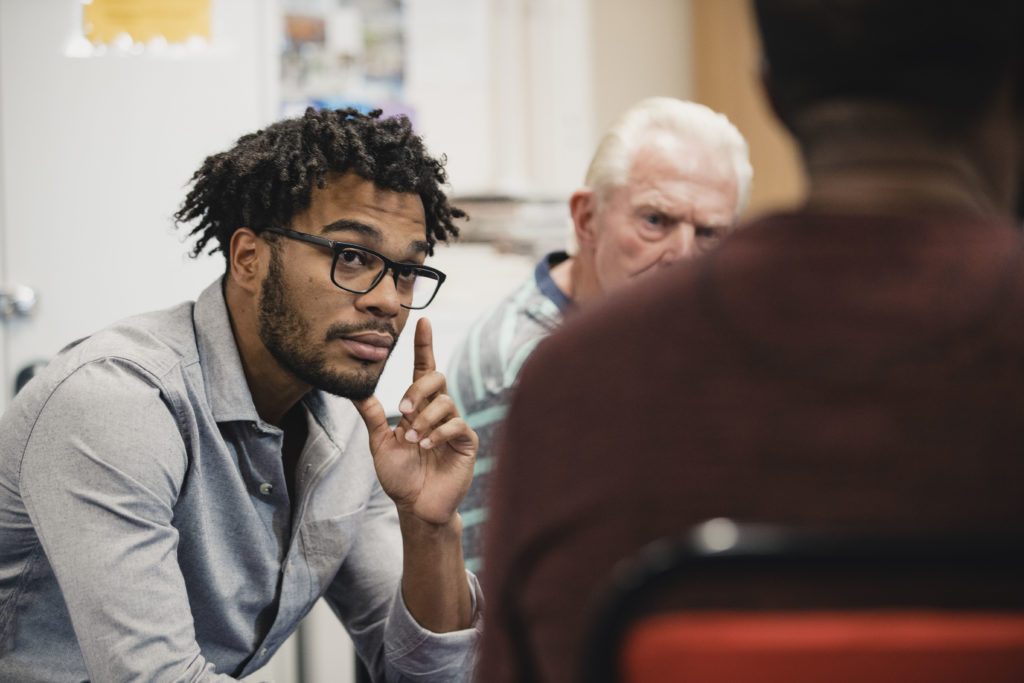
[(640, 48), (725, 63), (705, 50)]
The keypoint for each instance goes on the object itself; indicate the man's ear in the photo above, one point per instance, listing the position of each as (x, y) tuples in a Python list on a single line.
[(582, 207), (246, 259)]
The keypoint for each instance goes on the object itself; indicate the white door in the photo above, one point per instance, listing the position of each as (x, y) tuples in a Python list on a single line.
[(96, 151)]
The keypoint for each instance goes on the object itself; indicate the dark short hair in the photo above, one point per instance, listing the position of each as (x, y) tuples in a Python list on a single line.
[(946, 57), (267, 178)]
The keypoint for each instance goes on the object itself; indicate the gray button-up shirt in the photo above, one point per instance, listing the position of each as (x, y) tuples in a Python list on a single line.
[(146, 531)]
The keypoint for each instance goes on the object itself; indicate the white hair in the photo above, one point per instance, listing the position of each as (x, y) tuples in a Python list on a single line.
[(609, 168), (613, 159)]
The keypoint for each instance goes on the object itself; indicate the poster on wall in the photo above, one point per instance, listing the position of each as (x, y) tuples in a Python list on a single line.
[(127, 23), (343, 53)]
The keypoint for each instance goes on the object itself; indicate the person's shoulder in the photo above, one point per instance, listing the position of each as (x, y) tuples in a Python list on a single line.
[(508, 329), (139, 350), (512, 301), (156, 340), (524, 296), (125, 368)]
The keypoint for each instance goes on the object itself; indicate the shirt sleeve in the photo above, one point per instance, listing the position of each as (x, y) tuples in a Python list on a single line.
[(100, 475), (412, 652), (367, 596)]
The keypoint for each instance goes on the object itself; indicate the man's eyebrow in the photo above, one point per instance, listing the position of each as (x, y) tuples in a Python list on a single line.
[(419, 247), (713, 227), (666, 210), (347, 225)]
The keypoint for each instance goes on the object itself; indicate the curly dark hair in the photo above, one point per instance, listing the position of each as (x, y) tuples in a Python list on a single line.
[(267, 178)]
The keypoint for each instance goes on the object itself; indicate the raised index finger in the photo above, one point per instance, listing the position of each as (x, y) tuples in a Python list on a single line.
[(423, 350)]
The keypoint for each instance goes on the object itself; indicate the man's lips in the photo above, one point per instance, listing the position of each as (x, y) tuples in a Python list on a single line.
[(369, 346)]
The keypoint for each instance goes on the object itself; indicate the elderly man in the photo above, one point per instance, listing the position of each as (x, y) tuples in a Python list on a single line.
[(667, 181), (178, 489)]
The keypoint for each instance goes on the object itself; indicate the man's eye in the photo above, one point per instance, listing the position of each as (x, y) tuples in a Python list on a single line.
[(352, 257), (708, 238), (654, 219), (407, 273)]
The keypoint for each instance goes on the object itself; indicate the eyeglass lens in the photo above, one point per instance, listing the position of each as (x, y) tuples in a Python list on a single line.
[(358, 271)]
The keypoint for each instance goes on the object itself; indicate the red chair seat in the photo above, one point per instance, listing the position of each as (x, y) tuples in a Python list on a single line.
[(881, 646)]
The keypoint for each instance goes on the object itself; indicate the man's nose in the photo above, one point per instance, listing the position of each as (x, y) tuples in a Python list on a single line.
[(679, 244), (383, 300)]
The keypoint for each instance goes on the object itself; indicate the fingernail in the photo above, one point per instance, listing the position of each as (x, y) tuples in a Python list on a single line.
[(405, 406), (411, 436), (427, 443)]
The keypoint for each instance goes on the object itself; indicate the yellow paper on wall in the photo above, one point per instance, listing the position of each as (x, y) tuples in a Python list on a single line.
[(143, 20)]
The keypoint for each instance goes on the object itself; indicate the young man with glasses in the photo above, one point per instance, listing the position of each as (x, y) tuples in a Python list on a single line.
[(178, 490)]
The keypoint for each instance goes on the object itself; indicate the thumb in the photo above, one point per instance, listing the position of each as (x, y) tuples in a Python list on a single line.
[(373, 415)]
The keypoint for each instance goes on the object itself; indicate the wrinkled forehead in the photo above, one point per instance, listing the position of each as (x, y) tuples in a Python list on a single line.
[(683, 179)]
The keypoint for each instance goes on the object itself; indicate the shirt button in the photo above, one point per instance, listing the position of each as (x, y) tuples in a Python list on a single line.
[(263, 652), (266, 488)]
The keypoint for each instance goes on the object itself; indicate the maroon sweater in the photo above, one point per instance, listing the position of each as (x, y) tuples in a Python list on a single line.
[(846, 372)]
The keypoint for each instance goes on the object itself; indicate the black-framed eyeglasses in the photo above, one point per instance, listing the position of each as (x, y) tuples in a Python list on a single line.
[(358, 269)]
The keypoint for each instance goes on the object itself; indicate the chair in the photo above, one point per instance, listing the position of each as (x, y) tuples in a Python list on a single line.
[(730, 603)]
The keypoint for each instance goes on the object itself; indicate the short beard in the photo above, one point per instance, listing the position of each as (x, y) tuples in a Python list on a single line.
[(288, 338)]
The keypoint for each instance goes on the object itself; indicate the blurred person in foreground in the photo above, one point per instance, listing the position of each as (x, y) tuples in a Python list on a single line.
[(854, 365), (178, 489), (667, 181)]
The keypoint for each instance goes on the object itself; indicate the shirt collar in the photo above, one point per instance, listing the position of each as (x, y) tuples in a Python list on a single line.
[(550, 308), (226, 387), (546, 284)]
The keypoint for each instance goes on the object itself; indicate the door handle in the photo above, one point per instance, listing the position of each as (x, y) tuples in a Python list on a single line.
[(17, 301)]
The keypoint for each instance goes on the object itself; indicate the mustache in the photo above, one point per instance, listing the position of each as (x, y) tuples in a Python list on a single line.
[(342, 330)]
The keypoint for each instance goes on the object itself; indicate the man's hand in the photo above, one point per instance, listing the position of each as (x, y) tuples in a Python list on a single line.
[(426, 462)]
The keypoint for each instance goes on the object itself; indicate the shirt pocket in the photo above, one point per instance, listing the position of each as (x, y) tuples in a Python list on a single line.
[(326, 543)]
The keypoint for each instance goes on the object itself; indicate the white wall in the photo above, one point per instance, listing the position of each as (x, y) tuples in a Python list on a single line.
[(96, 151), (503, 88), (640, 48)]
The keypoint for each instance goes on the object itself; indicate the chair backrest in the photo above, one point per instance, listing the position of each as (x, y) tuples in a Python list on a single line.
[(752, 603)]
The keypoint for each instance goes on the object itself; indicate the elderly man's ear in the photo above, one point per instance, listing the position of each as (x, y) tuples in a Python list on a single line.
[(582, 208)]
